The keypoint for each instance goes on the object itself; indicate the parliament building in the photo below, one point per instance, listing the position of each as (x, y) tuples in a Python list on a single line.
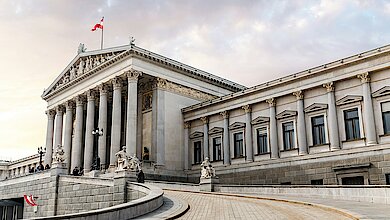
[(327, 125)]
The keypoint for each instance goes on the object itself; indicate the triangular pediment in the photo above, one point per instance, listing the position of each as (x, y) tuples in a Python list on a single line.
[(381, 92), (260, 120), (196, 134), (236, 125), (286, 114), (349, 99), (316, 107), (216, 130), (83, 65)]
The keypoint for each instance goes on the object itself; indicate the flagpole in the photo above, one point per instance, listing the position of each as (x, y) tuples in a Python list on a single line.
[(101, 42)]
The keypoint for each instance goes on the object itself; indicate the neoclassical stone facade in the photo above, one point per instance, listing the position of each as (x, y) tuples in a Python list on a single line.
[(133, 98), (326, 125)]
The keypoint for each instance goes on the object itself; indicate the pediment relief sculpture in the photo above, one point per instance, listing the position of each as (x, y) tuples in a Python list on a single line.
[(260, 120), (349, 99), (316, 107), (81, 66), (381, 92), (286, 114)]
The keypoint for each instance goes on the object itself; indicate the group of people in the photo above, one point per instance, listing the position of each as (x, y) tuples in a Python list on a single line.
[(39, 168)]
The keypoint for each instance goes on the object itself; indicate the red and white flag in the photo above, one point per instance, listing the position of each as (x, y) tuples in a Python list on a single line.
[(30, 200), (99, 25)]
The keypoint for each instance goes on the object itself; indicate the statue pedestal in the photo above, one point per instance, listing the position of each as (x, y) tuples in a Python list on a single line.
[(58, 169), (126, 174), (207, 184), (92, 173)]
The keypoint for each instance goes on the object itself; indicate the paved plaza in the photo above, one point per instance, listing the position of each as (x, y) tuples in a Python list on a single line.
[(209, 206)]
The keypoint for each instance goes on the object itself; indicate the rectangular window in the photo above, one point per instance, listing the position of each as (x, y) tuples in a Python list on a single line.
[(238, 145), (197, 152), (217, 152), (317, 182), (318, 130), (262, 141), (351, 120), (288, 135), (387, 175), (386, 117)]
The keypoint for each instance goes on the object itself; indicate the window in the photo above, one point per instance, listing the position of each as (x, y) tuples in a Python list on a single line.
[(317, 182), (354, 180), (197, 152), (217, 152), (262, 141), (288, 135), (238, 145), (387, 175), (318, 130), (352, 128), (386, 117)]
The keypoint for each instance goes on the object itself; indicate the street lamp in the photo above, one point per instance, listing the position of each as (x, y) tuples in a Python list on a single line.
[(41, 151), (97, 134)]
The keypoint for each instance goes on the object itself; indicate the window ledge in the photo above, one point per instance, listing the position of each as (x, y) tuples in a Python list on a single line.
[(358, 139), (384, 135), (216, 160), (292, 149), (240, 157), (320, 145), (265, 153)]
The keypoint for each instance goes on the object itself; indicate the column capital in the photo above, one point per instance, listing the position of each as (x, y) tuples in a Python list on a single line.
[(116, 82), (187, 124), (133, 75), (204, 119), (91, 95), (79, 100), (329, 86), (225, 114), (160, 83), (60, 109), (364, 77), (103, 89), (271, 102), (247, 108), (50, 113), (69, 105), (298, 94)]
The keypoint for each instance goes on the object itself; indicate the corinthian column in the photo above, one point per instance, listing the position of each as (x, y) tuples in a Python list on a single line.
[(68, 131), (102, 124), (116, 120), (88, 150), (206, 151), (301, 125), (226, 142), (59, 122), (248, 133), (49, 136), (78, 134), (368, 112), (131, 128), (273, 130), (332, 118), (187, 127)]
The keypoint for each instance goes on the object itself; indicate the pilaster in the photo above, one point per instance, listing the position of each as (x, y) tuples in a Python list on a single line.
[(226, 142), (248, 133), (273, 128), (301, 124)]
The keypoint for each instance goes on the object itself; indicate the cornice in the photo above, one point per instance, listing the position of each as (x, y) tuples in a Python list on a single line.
[(293, 77)]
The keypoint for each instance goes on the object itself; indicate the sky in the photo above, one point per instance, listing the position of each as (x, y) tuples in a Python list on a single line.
[(246, 41)]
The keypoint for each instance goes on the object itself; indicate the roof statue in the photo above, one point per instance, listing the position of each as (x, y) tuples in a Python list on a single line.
[(132, 40), (81, 48)]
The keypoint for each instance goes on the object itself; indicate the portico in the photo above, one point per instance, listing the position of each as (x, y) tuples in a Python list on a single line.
[(132, 96)]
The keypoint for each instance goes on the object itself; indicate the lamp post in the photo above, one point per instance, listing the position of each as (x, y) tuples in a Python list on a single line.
[(41, 151), (97, 134)]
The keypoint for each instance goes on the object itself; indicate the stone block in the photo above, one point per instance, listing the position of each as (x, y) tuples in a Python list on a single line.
[(207, 185)]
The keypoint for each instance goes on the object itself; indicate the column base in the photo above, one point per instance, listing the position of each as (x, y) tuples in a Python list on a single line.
[(334, 148)]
